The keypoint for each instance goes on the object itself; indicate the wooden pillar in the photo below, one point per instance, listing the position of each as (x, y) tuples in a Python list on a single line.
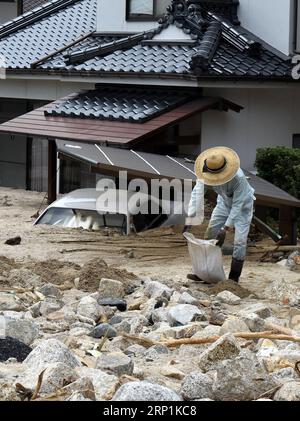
[(52, 171), (288, 224)]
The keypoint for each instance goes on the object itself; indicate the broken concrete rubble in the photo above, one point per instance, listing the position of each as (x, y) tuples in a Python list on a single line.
[(182, 314), (224, 348)]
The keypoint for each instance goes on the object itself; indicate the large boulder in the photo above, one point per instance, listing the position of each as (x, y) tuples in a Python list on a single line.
[(223, 349), (197, 385), (51, 351), (145, 391), (243, 378)]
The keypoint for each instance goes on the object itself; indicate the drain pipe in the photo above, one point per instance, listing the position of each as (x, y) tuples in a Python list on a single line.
[(296, 26)]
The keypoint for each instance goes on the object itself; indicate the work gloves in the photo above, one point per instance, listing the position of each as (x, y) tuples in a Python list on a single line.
[(221, 236)]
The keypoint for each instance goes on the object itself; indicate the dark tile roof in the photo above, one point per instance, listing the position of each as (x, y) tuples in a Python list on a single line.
[(132, 105), (49, 39), (45, 29), (31, 4), (221, 48)]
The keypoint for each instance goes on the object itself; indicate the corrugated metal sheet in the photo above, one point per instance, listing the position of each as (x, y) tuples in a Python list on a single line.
[(161, 166)]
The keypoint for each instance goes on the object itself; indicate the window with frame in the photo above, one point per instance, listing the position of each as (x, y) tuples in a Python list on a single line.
[(145, 9)]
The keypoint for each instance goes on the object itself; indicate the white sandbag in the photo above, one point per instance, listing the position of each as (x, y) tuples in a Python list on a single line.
[(206, 258)]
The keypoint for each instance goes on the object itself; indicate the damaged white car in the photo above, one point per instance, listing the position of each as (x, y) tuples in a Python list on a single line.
[(88, 209)]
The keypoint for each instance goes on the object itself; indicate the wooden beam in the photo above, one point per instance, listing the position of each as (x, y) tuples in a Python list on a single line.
[(288, 224), (52, 171)]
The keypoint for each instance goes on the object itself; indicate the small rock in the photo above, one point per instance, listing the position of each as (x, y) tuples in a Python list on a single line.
[(135, 350), (183, 314), (78, 397), (12, 348), (288, 392), (9, 302), (186, 298), (137, 303), (145, 391), (56, 376), (50, 290), (103, 383), (154, 352), (197, 385), (102, 330), (224, 348), (50, 305), (210, 330), (121, 305), (284, 375), (110, 288), (242, 378), (51, 351), (88, 307), (156, 289), (228, 297), (284, 292), (23, 330), (35, 310), (115, 363), (16, 241), (233, 325), (159, 315), (253, 321), (259, 309), (217, 317), (172, 373), (84, 386), (137, 324)]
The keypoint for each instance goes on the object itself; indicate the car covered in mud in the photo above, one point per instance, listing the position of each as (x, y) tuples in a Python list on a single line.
[(125, 212)]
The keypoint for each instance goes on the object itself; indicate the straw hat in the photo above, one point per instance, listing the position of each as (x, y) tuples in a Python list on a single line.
[(217, 166)]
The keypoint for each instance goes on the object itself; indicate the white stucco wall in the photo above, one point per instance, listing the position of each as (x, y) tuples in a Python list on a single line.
[(271, 20), (8, 11), (108, 21), (270, 118), (47, 90)]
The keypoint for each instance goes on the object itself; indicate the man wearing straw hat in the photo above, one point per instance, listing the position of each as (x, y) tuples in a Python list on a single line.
[(219, 168)]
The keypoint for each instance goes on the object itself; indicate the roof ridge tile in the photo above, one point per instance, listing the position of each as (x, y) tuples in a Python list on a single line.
[(33, 15)]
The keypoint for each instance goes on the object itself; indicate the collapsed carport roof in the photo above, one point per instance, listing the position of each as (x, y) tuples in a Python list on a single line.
[(114, 116), (149, 165)]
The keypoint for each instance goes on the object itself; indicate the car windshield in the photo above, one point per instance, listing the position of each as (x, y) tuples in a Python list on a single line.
[(86, 219)]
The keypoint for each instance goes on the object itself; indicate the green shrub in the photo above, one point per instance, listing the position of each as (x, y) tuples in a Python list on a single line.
[(280, 166)]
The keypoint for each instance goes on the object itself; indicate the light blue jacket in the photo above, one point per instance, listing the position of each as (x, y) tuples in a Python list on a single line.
[(235, 195)]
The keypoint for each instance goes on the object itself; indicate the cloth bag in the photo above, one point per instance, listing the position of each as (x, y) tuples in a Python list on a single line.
[(207, 259)]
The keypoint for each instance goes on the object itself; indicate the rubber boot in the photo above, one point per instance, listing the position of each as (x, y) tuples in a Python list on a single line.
[(236, 269)]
